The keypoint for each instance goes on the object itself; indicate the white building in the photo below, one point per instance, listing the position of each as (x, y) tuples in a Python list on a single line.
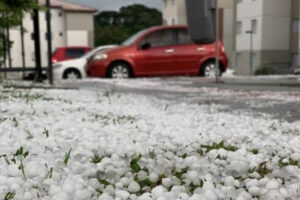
[(72, 25), (275, 30)]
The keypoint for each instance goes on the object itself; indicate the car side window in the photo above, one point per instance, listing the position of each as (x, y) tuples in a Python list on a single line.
[(74, 53), (184, 37), (160, 38)]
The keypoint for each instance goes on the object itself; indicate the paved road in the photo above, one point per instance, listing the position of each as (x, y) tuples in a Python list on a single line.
[(281, 102)]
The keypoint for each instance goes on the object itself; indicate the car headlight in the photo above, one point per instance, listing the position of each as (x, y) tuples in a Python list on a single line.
[(101, 56), (55, 66)]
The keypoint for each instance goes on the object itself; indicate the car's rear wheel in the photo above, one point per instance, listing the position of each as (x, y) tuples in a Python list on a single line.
[(71, 74), (119, 71), (210, 70)]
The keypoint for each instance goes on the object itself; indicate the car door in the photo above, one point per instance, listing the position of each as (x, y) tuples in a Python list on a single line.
[(187, 54), (157, 58)]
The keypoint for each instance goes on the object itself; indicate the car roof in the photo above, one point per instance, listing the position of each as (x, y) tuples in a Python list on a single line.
[(154, 28)]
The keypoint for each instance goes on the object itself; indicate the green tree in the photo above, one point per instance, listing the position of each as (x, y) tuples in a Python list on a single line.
[(11, 14), (113, 27)]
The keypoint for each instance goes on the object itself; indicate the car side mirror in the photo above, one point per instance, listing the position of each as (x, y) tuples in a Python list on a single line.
[(145, 45)]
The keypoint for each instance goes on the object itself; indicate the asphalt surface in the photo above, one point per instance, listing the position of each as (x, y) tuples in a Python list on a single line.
[(255, 99)]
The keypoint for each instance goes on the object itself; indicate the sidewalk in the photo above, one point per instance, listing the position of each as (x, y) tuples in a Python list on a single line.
[(274, 80)]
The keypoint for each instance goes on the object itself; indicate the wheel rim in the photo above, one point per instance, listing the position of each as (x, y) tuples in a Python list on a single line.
[(211, 71), (120, 72), (72, 75)]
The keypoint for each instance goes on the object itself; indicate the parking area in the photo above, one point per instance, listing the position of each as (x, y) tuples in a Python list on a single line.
[(281, 102)]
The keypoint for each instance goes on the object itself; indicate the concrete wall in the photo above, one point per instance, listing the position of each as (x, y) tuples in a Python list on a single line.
[(181, 9), (276, 23), (171, 12), (272, 41), (78, 25)]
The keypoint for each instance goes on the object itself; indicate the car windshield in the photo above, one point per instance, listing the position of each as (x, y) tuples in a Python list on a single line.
[(133, 38)]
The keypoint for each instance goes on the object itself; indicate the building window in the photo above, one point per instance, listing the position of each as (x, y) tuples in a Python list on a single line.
[(254, 26), (296, 26), (60, 14), (61, 34), (239, 1), (173, 2), (239, 28)]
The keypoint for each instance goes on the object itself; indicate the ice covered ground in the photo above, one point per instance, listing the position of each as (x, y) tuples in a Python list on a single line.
[(81, 145)]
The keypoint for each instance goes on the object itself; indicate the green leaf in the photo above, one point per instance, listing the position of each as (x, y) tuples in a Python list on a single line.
[(134, 165)]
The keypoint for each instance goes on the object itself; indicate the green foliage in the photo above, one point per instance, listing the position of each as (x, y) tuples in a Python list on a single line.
[(12, 12), (112, 27), (255, 151), (21, 154), (67, 157), (49, 174), (261, 169), (265, 70), (134, 165), (290, 162), (10, 195), (46, 132), (96, 159), (104, 182), (5, 158), (220, 145)]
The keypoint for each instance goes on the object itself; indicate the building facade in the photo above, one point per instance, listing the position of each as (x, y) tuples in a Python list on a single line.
[(72, 25), (267, 35), (174, 12)]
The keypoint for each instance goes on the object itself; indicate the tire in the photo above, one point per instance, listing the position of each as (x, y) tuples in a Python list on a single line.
[(210, 70), (72, 74), (119, 71)]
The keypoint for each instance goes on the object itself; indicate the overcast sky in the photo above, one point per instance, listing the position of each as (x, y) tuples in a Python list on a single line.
[(116, 4)]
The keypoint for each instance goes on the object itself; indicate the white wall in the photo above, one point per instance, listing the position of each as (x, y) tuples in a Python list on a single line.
[(57, 39), (276, 24), (170, 12), (77, 38), (247, 11)]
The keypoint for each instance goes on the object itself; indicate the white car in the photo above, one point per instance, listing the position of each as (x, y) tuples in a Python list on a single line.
[(74, 69)]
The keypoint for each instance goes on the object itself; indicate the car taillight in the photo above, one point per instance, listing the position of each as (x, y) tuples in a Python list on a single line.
[(54, 60)]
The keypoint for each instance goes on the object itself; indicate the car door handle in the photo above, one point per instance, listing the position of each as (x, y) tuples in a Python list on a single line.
[(170, 51), (201, 49)]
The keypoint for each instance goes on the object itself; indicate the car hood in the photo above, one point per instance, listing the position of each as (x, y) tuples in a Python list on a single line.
[(117, 49)]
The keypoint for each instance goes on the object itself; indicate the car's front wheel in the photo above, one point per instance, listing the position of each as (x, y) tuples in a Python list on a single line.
[(71, 74), (210, 70), (119, 71)]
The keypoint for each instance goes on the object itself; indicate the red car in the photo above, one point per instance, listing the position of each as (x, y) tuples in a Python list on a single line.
[(69, 53), (158, 51)]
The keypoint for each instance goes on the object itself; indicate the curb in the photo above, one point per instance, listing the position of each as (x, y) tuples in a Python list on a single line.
[(290, 81)]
